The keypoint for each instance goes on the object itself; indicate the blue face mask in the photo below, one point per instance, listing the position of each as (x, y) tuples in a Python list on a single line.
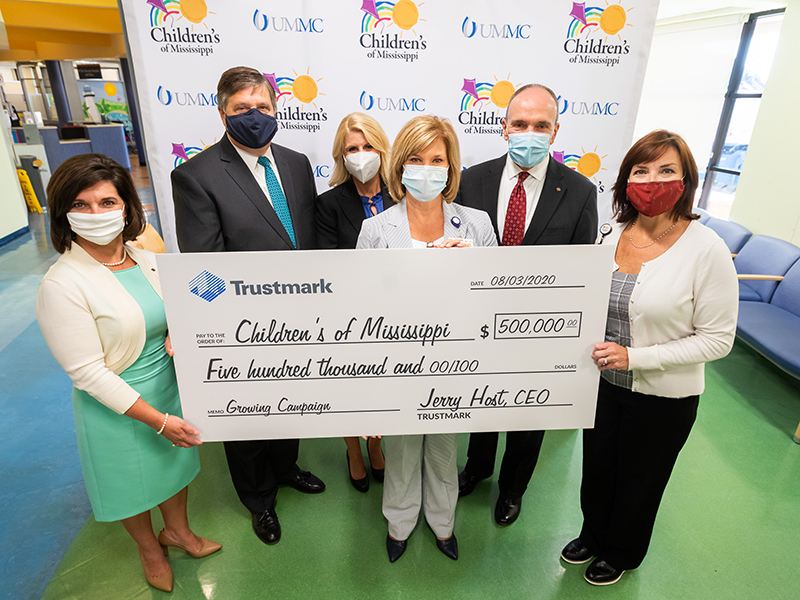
[(424, 182), (252, 129), (528, 149)]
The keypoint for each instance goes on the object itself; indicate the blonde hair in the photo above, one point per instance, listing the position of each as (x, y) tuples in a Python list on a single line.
[(376, 137), (415, 136)]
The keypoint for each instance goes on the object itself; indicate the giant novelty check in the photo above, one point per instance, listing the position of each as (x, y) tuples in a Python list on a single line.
[(383, 342)]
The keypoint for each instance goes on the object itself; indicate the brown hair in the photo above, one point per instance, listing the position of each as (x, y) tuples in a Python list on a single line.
[(646, 150), (236, 79), (416, 135), (80, 173)]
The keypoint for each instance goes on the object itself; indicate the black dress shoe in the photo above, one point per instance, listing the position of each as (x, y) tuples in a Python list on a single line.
[(362, 485), (305, 482), (395, 548), (266, 526), (467, 483), (449, 547), (377, 474), (575, 553), (507, 510), (602, 573)]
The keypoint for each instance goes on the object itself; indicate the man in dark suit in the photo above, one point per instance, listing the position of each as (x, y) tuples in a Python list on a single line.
[(532, 199), (246, 194)]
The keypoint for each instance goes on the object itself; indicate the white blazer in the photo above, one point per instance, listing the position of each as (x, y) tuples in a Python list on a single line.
[(93, 326), (390, 228)]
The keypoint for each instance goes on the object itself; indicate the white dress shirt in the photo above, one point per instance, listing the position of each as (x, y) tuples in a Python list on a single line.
[(532, 185), (258, 171)]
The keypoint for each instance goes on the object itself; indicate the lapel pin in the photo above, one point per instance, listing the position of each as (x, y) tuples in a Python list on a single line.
[(558, 189), (456, 222)]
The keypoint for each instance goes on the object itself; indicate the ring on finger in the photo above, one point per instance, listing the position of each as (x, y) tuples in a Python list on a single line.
[(605, 361)]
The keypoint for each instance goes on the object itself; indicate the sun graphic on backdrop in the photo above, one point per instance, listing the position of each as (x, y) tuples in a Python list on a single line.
[(194, 11), (305, 89), (614, 18), (403, 13), (590, 163), (502, 92), (110, 89)]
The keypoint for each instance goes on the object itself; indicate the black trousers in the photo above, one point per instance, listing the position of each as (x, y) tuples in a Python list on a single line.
[(627, 461), (519, 459), (257, 468)]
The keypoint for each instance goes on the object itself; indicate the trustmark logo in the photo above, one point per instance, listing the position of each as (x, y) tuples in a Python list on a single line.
[(207, 286)]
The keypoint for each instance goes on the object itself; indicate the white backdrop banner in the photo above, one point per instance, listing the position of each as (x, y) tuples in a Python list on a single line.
[(460, 59)]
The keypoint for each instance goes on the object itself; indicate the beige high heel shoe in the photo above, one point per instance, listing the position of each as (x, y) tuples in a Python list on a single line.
[(209, 547), (162, 582)]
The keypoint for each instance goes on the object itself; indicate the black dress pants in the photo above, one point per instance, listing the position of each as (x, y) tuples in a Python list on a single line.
[(627, 461), (519, 459), (257, 468)]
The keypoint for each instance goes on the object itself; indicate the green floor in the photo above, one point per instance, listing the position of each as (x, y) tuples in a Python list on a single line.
[(728, 526)]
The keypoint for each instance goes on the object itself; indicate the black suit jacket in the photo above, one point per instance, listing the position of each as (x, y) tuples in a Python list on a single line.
[(340, 213), (565, 214), (220, 207)]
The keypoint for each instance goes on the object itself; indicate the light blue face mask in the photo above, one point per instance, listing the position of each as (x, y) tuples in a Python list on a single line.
[(528, 149), (424, 182)]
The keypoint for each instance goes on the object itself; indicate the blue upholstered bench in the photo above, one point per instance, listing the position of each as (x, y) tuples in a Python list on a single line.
[(734, 235), (773, 328), (761, 257)]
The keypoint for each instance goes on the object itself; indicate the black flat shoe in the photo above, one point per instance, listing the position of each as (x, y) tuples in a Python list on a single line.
[(467, 483), (575, 553), (507, 510), (377, 474), (602, 573), (306, 482), (267, 527), (449, 547), (362, 485), (395, 548)]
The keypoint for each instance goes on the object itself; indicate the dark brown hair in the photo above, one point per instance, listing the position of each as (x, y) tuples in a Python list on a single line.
[(236, 79), (646, 150), (80, 173)]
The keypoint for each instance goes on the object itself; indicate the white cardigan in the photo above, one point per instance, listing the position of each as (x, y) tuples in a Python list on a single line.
[(683, 313), (93, 326)]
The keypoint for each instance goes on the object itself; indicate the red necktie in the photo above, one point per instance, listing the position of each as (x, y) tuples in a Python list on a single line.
[(514, 228)]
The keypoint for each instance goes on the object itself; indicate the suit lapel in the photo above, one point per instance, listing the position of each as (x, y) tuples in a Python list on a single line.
[(491, 189), (243, 178), (395, 228), (350, 203), (552, 192)]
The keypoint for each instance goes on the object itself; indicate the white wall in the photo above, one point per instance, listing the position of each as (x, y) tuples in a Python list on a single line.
[(687, 77), (13, 213), (768, 195)]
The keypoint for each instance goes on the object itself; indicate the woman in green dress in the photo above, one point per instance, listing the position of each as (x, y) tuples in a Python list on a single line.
[(100, 310)]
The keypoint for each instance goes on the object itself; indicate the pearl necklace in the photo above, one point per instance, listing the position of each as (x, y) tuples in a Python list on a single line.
[(630, 236), (116, 264)]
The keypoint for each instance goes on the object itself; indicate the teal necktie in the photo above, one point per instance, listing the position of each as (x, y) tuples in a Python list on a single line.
[(277, 197)]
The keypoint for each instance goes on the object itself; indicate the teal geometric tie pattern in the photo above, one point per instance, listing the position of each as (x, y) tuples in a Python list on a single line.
[(277, 197)]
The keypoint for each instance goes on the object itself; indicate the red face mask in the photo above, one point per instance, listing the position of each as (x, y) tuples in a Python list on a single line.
[(654, 198)]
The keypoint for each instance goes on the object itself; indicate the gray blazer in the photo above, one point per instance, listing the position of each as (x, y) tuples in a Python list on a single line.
[(390, 228)]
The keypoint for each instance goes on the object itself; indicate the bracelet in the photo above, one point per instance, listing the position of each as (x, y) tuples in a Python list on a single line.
[(164, 424)]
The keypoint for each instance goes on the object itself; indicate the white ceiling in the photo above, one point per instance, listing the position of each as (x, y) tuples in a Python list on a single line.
[(668, 9)]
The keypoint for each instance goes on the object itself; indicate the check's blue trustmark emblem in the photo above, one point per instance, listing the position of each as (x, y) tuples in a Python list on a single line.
[(207, 286)]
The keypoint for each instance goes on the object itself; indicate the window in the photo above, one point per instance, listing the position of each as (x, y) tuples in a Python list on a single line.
[(757, 45)]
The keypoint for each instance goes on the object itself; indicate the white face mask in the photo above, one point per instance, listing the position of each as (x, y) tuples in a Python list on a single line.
[(98, 228), (363, 165), (424, 182)]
